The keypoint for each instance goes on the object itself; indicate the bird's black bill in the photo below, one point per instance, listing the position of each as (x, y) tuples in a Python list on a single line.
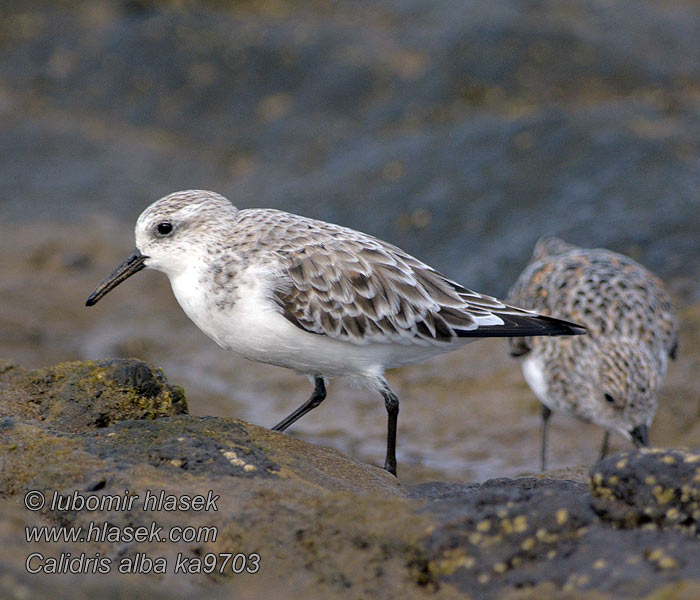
[(133, 264), (640, 436)]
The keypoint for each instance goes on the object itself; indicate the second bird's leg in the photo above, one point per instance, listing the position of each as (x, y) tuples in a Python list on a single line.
[(606, 443), (546, 413), (318, 396), (392, 408)]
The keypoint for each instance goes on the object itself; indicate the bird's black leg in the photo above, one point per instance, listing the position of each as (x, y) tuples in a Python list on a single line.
[(546, 413), (392, 408), (604, 448), (318, 396)]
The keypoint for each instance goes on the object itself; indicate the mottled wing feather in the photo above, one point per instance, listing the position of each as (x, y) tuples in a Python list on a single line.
[(362, 290)]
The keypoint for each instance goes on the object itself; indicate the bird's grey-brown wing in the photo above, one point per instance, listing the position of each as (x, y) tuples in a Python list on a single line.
[(362, 290)]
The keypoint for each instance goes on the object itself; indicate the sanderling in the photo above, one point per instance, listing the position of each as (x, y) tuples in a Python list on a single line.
[(314, 297), (610, 376)]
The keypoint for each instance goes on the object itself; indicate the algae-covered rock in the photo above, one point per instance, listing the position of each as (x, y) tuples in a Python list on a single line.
[(80, 396), (649, 488), (301, 519), (515, 534)]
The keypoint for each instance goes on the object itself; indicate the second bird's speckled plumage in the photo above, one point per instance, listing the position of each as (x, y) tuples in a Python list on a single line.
[(611, 376)]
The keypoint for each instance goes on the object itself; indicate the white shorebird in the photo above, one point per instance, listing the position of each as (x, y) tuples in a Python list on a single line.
[(314, 297), (611, 376)]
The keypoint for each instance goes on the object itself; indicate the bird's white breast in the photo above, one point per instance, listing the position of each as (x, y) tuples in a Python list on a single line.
[(534, 373), (254, 327)]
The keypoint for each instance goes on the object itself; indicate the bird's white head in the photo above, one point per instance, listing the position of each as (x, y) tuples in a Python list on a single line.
[(173, 230), (171, 233)]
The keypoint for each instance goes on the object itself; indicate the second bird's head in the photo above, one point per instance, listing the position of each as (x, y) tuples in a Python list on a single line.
[(622, 387)]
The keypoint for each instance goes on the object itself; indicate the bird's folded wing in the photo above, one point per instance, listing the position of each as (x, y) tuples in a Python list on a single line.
[(371, 292)]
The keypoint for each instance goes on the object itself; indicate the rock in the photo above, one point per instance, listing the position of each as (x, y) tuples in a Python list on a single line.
[(519, 533), (82, 396), (649, 488), (303, 520)]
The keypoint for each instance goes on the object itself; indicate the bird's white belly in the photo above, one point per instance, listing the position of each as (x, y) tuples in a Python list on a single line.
[(533, 371), (255, 328)]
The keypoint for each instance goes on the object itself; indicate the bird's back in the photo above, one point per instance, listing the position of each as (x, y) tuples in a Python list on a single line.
[(609, 293)]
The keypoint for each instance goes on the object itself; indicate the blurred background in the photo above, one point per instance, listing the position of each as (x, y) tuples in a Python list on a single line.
[(458, 130)]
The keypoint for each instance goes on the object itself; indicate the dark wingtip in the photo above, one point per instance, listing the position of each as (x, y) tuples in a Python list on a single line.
[(525, 325), (561, 327)]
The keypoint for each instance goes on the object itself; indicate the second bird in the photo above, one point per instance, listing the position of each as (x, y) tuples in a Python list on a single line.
[(611, 376)]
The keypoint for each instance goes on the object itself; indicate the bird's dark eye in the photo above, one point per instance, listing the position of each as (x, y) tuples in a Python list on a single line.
[(164, 228), (609, 399)]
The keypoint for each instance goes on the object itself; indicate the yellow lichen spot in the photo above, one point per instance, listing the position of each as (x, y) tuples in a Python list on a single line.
[(484, 578), (516, 561), (599, 564), (111, 434), (546, 537), (500, 567), (250, 468), (483, 526), (551, 554), (650, 480), (598, 478), (475, 538), (622, 463), (451, 561), (656, 554), (668, 562), (663, 496), (528, 543), (502, 513), (561, 516), (693, 458), (520, 524), (233, 458), (613, 479), (673, 513), (669, 459), (506, 526), (492, 540), (176, 462)]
